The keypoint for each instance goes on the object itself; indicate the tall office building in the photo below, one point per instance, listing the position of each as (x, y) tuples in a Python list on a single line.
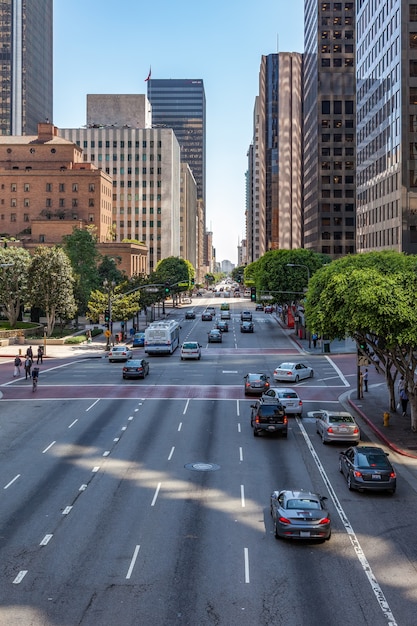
[(180, 104), (387, 126), (26, 80), (329, 127), (275, 160)]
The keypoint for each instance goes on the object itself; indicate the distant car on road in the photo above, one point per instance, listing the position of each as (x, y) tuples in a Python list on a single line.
[(336, 426), (269, 309), (259, 307), (215, 336), (269, 416), (138, 340), (190, 350), (288, 398), (256, 384), (136, 369), (206, 316), (246, 316), (223, 326), (293, 372), (190, 315), (246, 327), (120, 353), (367, 468), (300, 515)]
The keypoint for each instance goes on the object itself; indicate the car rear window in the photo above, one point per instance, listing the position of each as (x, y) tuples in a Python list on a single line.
[(347, 419), (373, 460), (270, 409), (303, 504), (288, 395), (189, 346)]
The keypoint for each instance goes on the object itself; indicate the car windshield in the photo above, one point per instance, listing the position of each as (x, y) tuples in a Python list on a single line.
[(373, 460), (346, 419), (301, 503)]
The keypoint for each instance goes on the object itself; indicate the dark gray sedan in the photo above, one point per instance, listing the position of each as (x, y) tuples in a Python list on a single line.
[(300, 515), (367, 468), (136, 369), (215, 336)]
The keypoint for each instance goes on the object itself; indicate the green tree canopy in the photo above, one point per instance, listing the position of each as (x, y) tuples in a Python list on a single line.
[(81, 248), (13, 281), (50, 284)]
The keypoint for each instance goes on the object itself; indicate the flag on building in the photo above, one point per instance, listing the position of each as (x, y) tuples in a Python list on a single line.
[(149, 75)]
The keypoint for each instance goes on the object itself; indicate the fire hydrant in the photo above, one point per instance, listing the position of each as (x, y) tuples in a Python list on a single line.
[(386, 418)]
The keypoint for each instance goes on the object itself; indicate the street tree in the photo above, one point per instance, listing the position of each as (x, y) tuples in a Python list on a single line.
[(108, 270), (50, 285), (13, 281), (81, 248), (371, 297), (123, 306)]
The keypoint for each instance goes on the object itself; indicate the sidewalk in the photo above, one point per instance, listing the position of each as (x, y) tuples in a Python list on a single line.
[(371, 408)]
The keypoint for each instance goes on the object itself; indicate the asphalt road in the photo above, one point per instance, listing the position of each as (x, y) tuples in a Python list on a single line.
[(147, 502)]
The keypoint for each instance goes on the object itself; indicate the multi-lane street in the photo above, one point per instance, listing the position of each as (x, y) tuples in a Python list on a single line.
[(143, 502)]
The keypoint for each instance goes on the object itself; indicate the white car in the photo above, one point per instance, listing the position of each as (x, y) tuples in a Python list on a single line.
[(288, 398), (190, 350), (120, 353), (292, 372), (336, 426)]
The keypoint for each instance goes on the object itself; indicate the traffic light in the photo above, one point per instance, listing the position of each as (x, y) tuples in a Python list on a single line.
[(192, 281), (167, 289), (239, 278), (362, 346), (253, 294), (107, 316)]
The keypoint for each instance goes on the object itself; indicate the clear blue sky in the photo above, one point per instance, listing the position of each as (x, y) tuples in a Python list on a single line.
[(108, 47)]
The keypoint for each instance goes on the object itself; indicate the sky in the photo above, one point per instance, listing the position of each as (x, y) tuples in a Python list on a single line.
[(104, 47)]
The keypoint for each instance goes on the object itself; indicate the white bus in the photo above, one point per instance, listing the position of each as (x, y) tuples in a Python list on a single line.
[(162, 337)]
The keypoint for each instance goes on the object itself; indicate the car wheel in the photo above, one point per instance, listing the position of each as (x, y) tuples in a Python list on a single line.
[(276, 531), (311, 374), (297, 378), (285, 435), (340, 466), (124, 376), (391, 491), (255, 433), (300, 414), (111, 361), (330, 534), (323, 441), (349, 482)]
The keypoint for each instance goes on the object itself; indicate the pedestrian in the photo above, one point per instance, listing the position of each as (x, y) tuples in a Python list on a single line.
[(28, 367), (404, 400), (40, 355), (29, 353), (88, 335), (17, 365), (314, 338), (365, 380), (401, 384), (361, 385)]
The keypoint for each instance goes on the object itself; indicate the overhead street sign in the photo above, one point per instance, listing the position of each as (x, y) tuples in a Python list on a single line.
[(152, 289), (182, 284), (266, 296)]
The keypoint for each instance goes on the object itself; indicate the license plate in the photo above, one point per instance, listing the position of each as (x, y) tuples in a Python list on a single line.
[(376, 477), (304, 533), (271, 427), (343, 430), (257, 385)]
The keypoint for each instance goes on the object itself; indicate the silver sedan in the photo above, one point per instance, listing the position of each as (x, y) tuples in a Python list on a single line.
[(292, 372), (336, 426), (120, 353)]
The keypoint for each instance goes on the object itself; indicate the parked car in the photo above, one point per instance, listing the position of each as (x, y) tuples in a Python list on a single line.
[(246, 327), (292, 372), (336, 426), (136, 368), (138, 340), (215, 336), (190, 350), (288, 398), (300, 515), (223, 326), (246, 316), (206, 316), (367, 468), (190, 315), (120, 353), (268, 415), (256, 384)]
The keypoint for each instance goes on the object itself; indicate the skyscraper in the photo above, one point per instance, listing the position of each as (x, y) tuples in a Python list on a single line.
[(180, 104), (26, 38)]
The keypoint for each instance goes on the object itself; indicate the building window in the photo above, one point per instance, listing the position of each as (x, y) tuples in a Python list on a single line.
[(74, 202), (25, 217), (48, 202), (61, 203), (91, 217), (75, 187), (12, 217), (413, 41), (26, 202), (26, 187), (48, 187), (41, 238)]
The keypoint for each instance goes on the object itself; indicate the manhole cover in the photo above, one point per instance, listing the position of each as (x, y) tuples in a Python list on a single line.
[(202, 467)]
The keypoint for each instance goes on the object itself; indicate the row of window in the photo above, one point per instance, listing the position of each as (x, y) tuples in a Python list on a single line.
[(337, 62), (381, 238), (336, 250), (336, 151), (49, 187), (327, 207), (377, 215), (49, 202), (337, 165), (337, 20), (337, 48), (129, 210), (327, 7), (337, 34), (337, 179), (337, 221), (120, 144), (338, 235), (145, 224), (121, 157)]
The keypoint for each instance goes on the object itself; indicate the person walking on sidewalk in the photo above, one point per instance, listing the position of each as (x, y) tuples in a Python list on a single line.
[(28, 367), (404, 400), (40, 355), (365, 380), (360, 385), (17, 366), (314, 338)]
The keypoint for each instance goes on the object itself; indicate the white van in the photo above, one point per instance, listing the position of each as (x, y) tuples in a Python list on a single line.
[(190, 350)]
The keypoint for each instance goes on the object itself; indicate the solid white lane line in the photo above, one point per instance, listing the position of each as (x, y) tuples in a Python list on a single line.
[(242, 495), (376, 588), (132, 562), (339, 373), (246, 558), (49, 447), (156, 494), (171, 453), (12, 481)]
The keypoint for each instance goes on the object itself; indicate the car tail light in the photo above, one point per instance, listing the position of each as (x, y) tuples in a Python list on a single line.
[(266, 384), (257, 419), (300, 404), (284, 520), (357, 474), (325, 520), (330, 429), (289, 373), (355, 431), (285, 419), (392, 475)]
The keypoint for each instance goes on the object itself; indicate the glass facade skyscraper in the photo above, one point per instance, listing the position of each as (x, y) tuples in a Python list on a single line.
[(180, 104), (26, 68)]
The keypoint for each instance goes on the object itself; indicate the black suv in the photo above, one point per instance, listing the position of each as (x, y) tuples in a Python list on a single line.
[(269, 415)]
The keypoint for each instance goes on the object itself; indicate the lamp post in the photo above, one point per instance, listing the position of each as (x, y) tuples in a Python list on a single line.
[(109, 286), (308, 280)]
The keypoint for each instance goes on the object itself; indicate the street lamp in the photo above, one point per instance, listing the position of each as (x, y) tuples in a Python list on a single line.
[(109, 286), (308, 280)]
